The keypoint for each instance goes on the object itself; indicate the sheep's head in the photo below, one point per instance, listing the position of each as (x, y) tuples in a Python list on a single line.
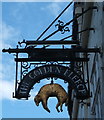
[(37, 99)]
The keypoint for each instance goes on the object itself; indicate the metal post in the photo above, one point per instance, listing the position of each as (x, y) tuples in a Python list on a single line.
[(16, 73), (21, 72)]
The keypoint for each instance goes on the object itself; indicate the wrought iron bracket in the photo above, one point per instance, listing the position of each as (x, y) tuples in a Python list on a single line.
[(70, 50), (61, 27), (84, 103)]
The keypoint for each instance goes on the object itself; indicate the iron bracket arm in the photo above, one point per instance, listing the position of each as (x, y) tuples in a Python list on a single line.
[(29, 50)]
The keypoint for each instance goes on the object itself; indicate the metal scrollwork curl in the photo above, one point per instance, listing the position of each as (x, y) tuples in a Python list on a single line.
[(48, 78), (26, 65), (24, 72), (65, 81), (23, 42), (78, 65), (56, 63), (36, 65), (61, 27), (55, 78), (47, 63)]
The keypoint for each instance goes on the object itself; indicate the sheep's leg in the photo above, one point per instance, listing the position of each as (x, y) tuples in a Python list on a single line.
[(66, 102), (44, 103), (58, 104), (61, 107)]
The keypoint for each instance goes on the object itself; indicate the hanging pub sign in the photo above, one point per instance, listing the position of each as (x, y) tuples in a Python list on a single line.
[(52, 70), (47, 55)]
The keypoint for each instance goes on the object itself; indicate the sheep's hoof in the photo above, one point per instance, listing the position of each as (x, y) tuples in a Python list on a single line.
[(48, 111), (61, 110), (58, 111)]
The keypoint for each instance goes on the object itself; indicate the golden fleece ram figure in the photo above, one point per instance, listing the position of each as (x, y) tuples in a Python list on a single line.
[(51, 90)]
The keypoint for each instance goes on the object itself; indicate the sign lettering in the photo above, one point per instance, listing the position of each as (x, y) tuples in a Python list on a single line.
[(40, 71), (77, 81), (71, 75), (35, 73), (58, 71), (66, 72), (30, 76), (45, 71)]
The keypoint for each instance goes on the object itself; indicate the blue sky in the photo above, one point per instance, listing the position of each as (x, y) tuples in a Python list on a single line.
[(27, 20)]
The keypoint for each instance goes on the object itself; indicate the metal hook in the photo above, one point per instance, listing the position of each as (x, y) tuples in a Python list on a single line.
[(52, 80)]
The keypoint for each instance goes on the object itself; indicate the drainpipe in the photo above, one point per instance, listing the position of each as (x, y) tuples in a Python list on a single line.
[(85, 35), (85, 39), (86, 24), (102, 67), (75, 109)]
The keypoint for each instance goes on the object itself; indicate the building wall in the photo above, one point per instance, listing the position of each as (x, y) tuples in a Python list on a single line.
[(94, 106), (95, 63)]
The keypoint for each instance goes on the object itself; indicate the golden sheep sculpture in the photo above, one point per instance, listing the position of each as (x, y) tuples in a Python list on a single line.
[(51, 90)]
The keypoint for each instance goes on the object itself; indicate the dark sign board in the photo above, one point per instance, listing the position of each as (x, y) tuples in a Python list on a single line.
[(58, 71)]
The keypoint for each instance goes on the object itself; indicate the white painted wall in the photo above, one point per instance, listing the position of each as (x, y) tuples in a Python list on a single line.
[(96, 63)]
